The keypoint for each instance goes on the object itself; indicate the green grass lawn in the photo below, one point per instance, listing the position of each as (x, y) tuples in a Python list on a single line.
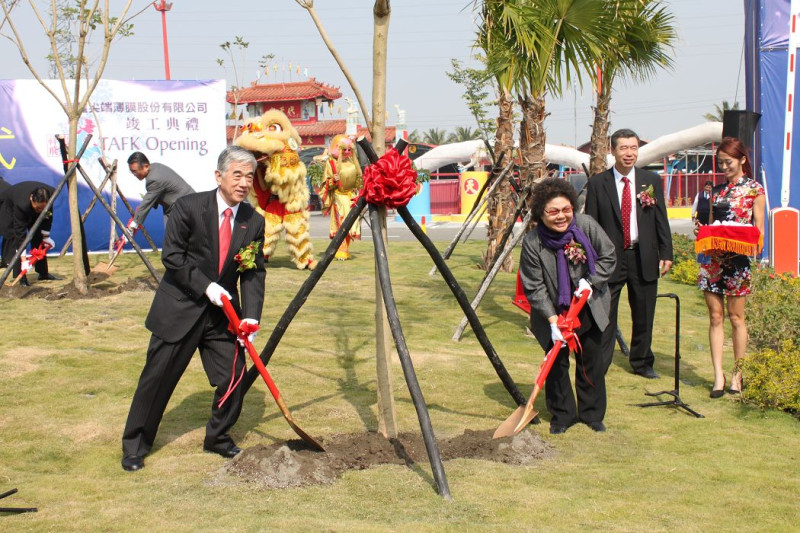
[(68, 369)]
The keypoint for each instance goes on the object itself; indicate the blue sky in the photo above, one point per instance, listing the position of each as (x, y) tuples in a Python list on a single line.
[(424, 35)]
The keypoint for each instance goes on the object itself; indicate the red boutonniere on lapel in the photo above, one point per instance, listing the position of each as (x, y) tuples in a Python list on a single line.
[(575, 252), (647, 197), (246, 258)]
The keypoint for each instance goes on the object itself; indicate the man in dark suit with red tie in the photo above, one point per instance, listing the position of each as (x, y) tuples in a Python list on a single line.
[(204, 232), (629, 205)]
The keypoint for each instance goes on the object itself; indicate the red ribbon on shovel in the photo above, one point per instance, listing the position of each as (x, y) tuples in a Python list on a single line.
[(243, 331), (567, 323), (35, 255), (119, 244)]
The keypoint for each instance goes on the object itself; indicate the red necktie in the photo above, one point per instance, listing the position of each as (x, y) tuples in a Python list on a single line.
[(224, 237), (626, 211)]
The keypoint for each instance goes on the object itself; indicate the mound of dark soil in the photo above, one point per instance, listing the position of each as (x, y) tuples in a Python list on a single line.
[(293, 464), (100, 285)]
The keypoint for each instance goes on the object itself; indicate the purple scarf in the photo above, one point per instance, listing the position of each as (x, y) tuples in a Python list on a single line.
[(556, 242)]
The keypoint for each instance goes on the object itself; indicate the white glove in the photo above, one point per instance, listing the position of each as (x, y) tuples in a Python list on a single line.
[(50, 242), (25, 266), (132, 225), (252, 336), (555, 333), (214, 292), (583, 285)]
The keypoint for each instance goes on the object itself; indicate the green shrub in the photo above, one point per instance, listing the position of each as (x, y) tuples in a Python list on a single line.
[(683, 249), (773, 310), (685, 272), (772, 378), (316, 171)]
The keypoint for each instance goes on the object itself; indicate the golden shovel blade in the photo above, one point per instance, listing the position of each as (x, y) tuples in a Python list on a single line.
[(519, 419)]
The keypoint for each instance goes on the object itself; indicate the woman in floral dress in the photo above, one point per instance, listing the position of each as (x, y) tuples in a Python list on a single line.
[(725, 276)]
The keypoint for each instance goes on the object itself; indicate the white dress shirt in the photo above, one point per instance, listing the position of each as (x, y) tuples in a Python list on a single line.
[(221, 207)]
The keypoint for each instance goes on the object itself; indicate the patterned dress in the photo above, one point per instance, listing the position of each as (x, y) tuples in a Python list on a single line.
[(729, 273)]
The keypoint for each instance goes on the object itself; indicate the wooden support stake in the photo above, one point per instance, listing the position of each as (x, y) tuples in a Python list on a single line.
[(461, 298), (68, 174), (418, 399), (302, 294), (119, 223)]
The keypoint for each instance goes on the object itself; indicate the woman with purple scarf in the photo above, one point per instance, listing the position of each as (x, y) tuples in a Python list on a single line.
[(568, 253)]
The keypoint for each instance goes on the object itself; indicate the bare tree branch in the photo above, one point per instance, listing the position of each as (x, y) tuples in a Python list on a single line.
[(308, 5)]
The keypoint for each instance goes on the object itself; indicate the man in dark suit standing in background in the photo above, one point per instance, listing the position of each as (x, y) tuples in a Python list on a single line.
[(20, 206), (629, 205), (205, 232), (164, 186)]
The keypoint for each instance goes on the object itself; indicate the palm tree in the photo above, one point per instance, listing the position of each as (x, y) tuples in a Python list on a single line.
[(500, 20), (463, 133), (639, 46), (719, 112), (535, 47), (415, 136), (435, 136)]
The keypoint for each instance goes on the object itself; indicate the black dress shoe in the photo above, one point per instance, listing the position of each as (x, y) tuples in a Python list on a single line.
[(49, 277), (647, 372), (24, 281), (132, 463), (599, 427), (555, 429), (228, 453)]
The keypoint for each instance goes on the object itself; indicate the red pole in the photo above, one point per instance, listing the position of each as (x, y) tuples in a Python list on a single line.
[(163, 7)]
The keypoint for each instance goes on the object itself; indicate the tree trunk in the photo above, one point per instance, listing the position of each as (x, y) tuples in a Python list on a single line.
[(500, 203), (78, 272), (533, 167), (600, 143), (387, 418)]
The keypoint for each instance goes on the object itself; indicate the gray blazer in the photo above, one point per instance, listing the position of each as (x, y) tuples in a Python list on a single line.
[(537, 268), (164, 186)]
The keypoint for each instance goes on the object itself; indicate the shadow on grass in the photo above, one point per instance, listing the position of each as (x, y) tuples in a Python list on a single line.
[(193, 412)]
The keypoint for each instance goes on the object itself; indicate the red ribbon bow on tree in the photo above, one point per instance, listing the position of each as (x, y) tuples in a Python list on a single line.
[(391, 181)]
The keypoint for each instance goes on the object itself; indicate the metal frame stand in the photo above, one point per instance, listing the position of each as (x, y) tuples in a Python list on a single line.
[(15, 509), (675, 393)]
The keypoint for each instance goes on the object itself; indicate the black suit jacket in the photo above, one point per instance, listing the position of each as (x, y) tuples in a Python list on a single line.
[(655, 239), (16, 212), (190, 255)]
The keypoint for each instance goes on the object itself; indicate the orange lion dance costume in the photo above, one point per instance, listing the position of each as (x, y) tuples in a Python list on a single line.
[(279, 190)]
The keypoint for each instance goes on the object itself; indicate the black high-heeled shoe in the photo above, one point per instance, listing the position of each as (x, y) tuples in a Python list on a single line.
[(718, 393)]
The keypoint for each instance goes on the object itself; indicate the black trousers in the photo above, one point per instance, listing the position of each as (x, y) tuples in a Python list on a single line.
[(591, 365), (164, 367), (642, 300), (10, 247)]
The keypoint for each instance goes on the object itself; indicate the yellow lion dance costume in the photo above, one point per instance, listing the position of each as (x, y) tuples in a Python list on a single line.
[(342, 183), (279, 190)]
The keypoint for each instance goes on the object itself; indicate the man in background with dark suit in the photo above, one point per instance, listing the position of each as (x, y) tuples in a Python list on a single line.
[(205, 231), (164, 186), (629, 205), (20, 207)]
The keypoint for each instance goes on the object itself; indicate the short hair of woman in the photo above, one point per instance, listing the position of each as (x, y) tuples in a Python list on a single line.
[(548, 189)]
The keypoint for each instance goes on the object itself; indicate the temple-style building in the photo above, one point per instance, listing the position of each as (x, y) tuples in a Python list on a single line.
[(305, 103)]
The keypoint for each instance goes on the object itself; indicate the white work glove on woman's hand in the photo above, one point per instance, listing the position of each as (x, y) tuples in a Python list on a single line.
[(583, 285), (555, 333), (215, 292)]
